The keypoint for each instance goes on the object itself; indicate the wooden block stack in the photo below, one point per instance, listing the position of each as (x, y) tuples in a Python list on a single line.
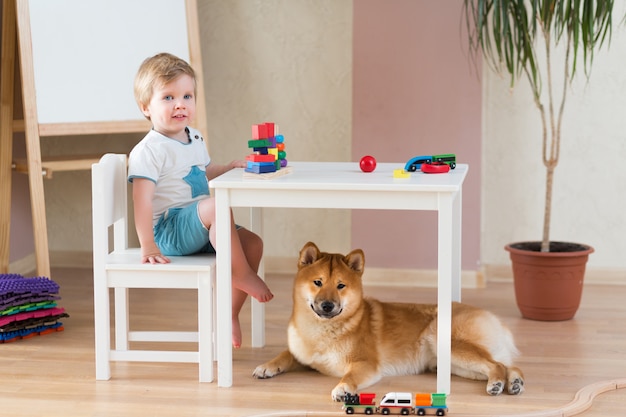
[(268, 149)]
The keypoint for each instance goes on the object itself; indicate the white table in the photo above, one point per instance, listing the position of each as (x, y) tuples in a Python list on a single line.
[(341, 185)]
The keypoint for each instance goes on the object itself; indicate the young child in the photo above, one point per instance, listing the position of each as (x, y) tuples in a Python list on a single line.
[(170, 170)]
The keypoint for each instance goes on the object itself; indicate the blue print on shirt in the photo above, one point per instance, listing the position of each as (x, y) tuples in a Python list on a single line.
[(197, 181)]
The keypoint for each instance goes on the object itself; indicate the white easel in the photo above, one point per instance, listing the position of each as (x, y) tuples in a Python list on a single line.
[(22, 51)]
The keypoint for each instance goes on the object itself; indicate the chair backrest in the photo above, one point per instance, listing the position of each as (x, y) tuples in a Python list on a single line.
[(109, 204)]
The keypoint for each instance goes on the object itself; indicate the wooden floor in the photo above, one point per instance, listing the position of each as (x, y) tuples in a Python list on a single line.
[(53, 375)]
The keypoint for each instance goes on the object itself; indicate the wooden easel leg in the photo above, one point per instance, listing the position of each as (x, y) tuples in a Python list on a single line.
[(37, 202), (33, 151), (7, 83)]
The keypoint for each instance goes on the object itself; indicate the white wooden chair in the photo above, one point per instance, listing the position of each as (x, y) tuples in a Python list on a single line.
[(122, 269)]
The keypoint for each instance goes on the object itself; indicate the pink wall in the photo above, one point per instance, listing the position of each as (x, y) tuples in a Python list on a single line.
[(415, 92)]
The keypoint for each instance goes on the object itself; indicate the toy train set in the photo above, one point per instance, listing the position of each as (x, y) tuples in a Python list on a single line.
[(403, 403), (429, 163)]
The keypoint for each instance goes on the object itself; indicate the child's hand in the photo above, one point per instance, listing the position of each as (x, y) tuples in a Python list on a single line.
[(156, 258), (153, 255), (237, 164)]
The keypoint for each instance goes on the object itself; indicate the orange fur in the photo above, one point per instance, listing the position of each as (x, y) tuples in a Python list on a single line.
[(337, 331)]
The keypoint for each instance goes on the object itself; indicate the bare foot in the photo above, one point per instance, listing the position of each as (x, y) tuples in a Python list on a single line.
[(254, 286), (236, 333)]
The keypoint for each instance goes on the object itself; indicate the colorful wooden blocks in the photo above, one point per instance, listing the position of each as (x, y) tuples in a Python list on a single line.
[(268, 149)]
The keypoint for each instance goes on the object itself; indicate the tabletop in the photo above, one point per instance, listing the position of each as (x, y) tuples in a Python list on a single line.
[(346, 176)]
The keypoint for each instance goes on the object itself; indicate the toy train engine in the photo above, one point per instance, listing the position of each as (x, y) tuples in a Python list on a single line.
[(448, 158), (401, 402), (363, 402)]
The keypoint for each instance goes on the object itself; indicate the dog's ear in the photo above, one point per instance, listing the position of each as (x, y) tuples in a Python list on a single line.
[(308, 254), (355, 260)]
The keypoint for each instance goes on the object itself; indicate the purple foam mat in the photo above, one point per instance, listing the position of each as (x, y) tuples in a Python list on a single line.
[(22, 299), (12, 284), (16, 289)]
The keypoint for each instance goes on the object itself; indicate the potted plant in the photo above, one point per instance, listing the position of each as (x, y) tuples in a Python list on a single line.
[(518, 38)]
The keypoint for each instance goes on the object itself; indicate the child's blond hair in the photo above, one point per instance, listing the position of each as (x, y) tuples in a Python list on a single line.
[(159, 70)]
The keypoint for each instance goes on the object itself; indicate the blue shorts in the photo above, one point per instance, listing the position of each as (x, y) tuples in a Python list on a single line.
[(180, 231)]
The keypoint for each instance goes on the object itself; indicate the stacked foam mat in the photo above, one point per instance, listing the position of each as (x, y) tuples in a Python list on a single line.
[(28, 307)]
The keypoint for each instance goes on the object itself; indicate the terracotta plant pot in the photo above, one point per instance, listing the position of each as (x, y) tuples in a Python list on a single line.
[(548, 285)]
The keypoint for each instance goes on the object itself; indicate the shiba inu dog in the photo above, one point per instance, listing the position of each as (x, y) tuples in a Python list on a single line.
[(337, 331)]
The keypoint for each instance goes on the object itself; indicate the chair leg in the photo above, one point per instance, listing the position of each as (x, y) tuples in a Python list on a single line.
[(214, 312), (121, 319), (205, 327), (102, 327)]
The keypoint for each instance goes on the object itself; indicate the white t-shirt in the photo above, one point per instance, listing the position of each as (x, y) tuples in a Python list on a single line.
[(178, 169)]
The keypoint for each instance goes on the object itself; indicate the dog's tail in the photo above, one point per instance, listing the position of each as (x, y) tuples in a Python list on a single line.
[(506, 351)]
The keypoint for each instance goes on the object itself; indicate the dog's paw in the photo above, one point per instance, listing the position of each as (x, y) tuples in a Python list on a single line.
[(516, 386), (495, 387), (265, 371), (340, 391)]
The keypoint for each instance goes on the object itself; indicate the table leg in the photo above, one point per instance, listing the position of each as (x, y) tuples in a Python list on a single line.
[(444, 292), (456, 246), (223, 289)]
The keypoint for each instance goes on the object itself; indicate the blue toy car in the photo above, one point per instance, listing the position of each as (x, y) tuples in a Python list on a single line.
[(415, 164)]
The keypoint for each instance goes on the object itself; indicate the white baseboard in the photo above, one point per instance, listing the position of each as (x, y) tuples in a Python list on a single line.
[(24, 266), (386, 276), (71, 259), (372, 276), (58, 259)]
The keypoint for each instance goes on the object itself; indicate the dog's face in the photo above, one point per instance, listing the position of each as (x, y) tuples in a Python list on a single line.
[(329, 284)]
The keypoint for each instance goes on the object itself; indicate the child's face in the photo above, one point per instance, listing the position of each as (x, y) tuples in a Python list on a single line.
[(172, 107)]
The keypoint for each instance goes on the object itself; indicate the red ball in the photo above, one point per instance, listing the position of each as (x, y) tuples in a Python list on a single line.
[(368, 163)]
